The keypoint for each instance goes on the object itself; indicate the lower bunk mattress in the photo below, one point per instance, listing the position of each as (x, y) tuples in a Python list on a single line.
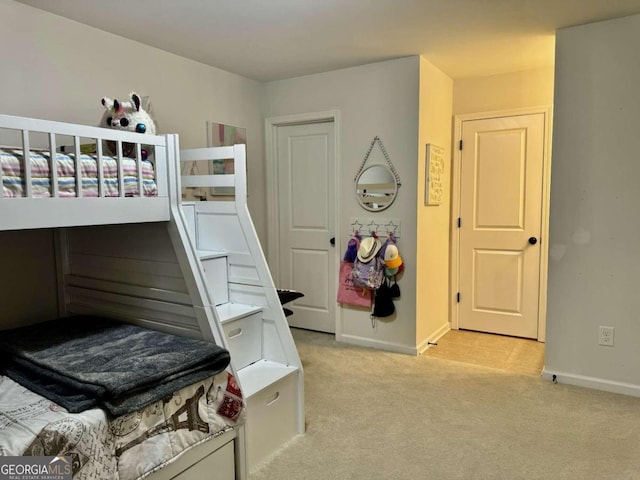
[(13, 177), (127, 447)]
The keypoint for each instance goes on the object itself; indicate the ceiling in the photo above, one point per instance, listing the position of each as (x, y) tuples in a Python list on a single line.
[(277, 39)]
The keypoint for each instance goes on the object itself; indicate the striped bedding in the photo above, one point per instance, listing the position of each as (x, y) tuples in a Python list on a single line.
[(13, 175)]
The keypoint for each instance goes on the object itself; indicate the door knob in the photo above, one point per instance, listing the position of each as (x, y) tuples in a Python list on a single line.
[(533, 240), (332, 241)]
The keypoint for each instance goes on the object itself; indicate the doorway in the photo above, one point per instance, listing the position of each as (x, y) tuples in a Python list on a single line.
[(500, 222), (303, 206), (508, 354)]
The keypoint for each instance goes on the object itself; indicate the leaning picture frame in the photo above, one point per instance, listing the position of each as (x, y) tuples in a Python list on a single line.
[(223, 135), (218, 135)]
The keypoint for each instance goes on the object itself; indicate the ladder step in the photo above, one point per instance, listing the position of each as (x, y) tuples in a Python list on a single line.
[(261, 374), (228, 312), (206, 254)]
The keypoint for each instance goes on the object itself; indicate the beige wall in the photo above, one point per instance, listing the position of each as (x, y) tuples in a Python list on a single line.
[(432, 256), (376, 99), (594, 229), (529, 88)]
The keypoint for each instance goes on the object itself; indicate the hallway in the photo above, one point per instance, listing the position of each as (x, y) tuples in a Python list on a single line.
[(509, 354)]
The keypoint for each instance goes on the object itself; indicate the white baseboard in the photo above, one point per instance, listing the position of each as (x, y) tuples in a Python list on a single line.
[(592, 382), (433, 338), (378, 344), (396, 347)]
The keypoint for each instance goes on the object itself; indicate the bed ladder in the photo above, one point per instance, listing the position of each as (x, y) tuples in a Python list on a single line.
[(245, 299)]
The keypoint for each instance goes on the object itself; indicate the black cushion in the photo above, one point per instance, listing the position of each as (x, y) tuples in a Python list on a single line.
[(287, 296)]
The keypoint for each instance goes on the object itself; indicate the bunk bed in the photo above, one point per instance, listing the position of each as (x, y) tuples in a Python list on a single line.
[(123, 252)]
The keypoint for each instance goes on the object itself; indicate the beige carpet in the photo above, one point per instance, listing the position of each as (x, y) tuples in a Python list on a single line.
[(517, 355), (377, 415)]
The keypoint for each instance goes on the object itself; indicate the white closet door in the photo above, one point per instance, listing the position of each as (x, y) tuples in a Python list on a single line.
[(306, 195)]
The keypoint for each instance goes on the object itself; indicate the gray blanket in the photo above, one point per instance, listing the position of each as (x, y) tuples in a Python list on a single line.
[(83, 362)]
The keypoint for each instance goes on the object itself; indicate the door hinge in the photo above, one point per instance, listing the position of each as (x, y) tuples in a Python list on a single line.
[(458, 297), (460, 145), (459, 222)]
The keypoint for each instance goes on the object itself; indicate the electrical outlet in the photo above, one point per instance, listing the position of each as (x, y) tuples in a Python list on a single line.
[(606, 336)]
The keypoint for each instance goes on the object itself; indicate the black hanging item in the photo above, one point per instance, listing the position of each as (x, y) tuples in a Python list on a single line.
[(383, 306), (394, 290)]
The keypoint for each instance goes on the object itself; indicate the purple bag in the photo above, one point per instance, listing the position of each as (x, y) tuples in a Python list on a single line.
[(368, 275)]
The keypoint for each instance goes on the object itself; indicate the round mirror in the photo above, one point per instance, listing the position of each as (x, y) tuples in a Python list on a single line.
[(376, 188)]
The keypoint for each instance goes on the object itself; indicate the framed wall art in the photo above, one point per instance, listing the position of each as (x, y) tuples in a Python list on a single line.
[(218, 135), (222, 135), (434, 175)]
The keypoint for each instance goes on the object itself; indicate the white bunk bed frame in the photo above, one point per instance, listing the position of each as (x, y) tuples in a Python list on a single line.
[(29, 212), (140, 259)]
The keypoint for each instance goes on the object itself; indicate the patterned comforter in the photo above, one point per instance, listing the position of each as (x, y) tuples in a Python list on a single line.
[(13, 175), (128, 447)]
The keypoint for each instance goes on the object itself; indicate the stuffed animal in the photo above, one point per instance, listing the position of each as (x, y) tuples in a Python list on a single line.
[(128, 116)]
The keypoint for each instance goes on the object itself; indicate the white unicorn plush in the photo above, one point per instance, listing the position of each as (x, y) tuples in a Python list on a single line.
[(128, 116)]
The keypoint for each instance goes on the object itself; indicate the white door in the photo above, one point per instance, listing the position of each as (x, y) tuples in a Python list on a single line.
[(501, 180), (306, 194)]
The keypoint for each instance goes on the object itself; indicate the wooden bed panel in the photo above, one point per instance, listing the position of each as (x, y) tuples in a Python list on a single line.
[(162, 278), (144, 241), (129, 272)]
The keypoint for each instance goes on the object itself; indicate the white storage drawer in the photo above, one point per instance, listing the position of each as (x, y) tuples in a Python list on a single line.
[(215, 270), (244, 337), (271, 419), (219, 465)]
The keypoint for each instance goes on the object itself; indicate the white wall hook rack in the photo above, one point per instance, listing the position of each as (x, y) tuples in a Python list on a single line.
[(366, 226)]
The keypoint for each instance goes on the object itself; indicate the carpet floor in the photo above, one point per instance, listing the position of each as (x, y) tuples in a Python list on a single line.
[(377, 415)]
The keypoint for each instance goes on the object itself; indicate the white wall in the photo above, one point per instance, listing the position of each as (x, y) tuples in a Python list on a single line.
[(432, 266), (595, 231), (376, 99), (58, 69)]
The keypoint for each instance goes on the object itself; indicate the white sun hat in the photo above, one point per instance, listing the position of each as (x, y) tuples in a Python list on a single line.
[(369, 248)]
